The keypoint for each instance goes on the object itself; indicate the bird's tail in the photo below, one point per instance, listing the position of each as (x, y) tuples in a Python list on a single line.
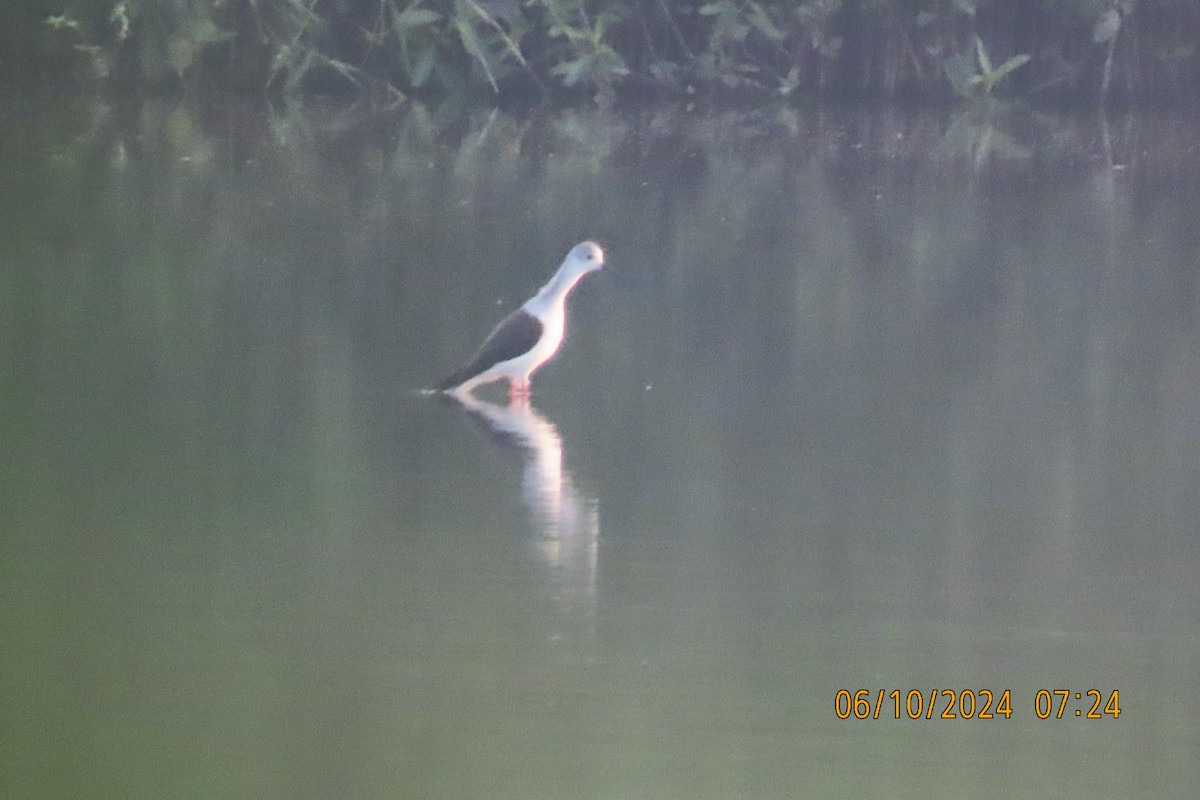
[(451, 381)]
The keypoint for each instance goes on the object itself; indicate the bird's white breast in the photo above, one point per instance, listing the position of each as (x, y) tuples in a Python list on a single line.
[(553, 322)]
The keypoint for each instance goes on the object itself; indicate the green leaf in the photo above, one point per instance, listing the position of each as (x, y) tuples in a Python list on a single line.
[(722, 7), (181, 51), (603, 20), (602, 65), (414, 17), (1010, 65), (570, 71), (475, 48), (574, 34), (610, 62), (665, 72), (765, 24), (423, 67), (985, 63), (204, 32)]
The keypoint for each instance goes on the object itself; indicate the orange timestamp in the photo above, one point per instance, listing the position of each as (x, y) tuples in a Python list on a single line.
[(972, 704)]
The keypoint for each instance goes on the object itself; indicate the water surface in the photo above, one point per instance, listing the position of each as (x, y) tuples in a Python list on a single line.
[(865, 400)]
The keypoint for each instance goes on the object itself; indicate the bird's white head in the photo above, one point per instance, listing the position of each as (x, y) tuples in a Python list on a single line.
[(584, 257)]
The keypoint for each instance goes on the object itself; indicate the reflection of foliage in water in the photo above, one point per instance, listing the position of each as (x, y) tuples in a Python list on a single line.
[(190, 231)]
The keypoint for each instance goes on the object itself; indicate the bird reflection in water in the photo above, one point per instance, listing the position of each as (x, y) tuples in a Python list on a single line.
[(569, 523)]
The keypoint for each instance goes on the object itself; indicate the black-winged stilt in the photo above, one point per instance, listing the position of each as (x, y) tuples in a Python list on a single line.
[(529, 336)]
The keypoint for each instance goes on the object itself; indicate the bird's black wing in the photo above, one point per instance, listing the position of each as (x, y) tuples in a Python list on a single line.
[(515, 335)]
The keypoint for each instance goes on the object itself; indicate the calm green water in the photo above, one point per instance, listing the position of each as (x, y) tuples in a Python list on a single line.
[(864, 401)]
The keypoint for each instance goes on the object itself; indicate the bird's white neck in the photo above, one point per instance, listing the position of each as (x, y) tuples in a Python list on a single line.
[(555, 292)]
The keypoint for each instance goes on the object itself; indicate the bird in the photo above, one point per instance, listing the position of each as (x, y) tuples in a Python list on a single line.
[(529, 336)]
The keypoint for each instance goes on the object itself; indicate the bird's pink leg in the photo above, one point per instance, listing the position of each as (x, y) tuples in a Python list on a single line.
[(518, 390)]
